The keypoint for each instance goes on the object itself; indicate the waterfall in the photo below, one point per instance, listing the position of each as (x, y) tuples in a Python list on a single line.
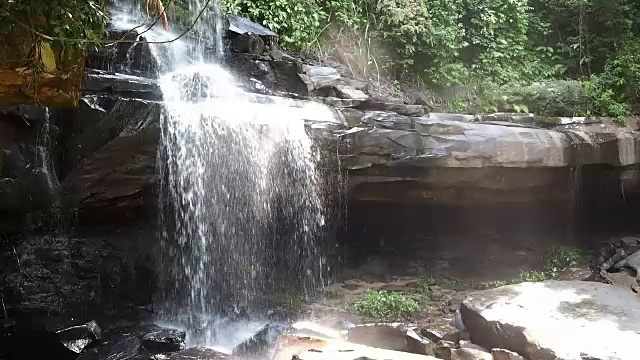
[(43, 148), (241, 212)]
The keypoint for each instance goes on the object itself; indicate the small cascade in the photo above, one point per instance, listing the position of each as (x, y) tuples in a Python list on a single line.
[(43, 148), (241, 212)]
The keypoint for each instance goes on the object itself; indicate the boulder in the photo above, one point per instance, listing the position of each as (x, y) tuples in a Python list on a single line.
[(556, 320), (397, 337), (248, 43), (349, 92), (76, 338), (259, 343), (502, 354), (127, 343), (99, 82), (318, 77), (195, 353), (162, 340), (291, 346), (126, 57)]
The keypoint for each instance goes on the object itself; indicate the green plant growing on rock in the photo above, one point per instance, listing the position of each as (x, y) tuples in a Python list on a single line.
[(562, 257), (287, 301), (557, 258), (385, 305), (424, 283), (533, 276)]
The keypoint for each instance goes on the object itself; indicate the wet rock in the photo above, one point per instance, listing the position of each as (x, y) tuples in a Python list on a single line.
[(129, 56), (28, 343), (241, 25), (465, 159), (453, 117), (402, 109), (259, 343), (466, 344), (195, 353), (457, 321), (444, 349), (27, 185), (469, 351), (164, 340), (432, 334), (358, 353), (112, 58), (126, 343), (348, 92), (289, 345), (115, 151), (527, 118), (142, 62), (418, 97), (396, 336), (623, 280), (470, 354), (555, 319), (101, 82), (76, 338), (308, 328), (387, 120), (618, 262), (248, 43), (630, 262), (340, 103), (502, 354), (318, 77)]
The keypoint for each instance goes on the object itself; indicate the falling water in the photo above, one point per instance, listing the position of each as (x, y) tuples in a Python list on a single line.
[(240, 209), (44, 144), (240, 203)]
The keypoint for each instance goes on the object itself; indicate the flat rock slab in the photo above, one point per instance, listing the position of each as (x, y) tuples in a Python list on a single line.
[(291, 346), (549, 320)]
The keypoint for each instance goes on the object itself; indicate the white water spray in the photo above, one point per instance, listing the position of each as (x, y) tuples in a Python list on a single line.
[(240, 207)]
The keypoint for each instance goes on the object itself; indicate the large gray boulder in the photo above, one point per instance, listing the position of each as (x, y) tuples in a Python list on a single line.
[(564, 320)]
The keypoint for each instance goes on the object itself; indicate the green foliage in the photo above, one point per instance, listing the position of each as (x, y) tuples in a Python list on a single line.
[(548, 98), (71, 19), (533, 276), (617, 85), (552, 57), (297, 22), (385, 305), (562, 257), (557, 258)]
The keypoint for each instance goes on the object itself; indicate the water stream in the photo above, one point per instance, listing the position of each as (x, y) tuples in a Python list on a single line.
[(240, 207)]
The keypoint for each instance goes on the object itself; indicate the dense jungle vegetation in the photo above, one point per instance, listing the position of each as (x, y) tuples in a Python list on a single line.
[(557, 57), (553, 57)]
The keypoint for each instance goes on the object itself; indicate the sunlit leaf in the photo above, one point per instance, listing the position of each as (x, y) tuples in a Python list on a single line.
[(48, 57)]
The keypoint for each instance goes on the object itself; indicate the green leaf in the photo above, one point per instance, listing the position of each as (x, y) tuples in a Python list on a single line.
[(48, 57)]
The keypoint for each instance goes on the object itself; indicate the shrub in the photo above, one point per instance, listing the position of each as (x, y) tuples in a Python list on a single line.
[(385, 305)]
